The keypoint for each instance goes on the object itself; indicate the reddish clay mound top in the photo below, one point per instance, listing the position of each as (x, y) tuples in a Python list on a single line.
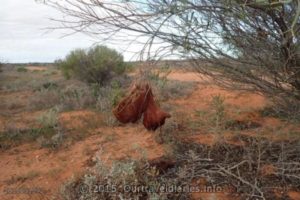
[(140, 101)]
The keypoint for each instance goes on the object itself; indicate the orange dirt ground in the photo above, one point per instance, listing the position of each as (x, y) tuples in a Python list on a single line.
[(30, 166), (36, 68)]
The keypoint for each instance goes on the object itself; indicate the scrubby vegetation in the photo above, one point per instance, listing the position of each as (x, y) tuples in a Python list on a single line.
[(96, 65), (21, 69), (291, 113), (14, 136), (238, 170), (55, 95), (128, 179), (229, 165), (168, 89), (57, 125)]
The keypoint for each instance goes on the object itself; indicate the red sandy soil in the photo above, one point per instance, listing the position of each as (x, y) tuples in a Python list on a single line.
[(246, 101), (36, 68), (52, 168), (55, 167)]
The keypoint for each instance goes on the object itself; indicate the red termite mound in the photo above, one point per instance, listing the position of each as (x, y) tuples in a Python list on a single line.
[(140, 101), (131, 107), (154, 117)]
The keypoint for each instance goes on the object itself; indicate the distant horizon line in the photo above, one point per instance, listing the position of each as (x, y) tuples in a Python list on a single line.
[(48, 63)]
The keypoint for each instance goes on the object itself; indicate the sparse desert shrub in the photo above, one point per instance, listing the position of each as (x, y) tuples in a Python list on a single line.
[(169, 89), (124, 180), (103, 103), (16, 81), (168, 132), (40, 85), (47, 73), (50, 85), (107, 98), (96, 65), (109, 119), (218, 109), (49, 118), (21, 69), (241, 124), (76, 97), (69, 98), (43, 99), (176, 89), (158, 79), (23, 177), (116, 93), (109, 95), (288, 113), (239, 168), (214, 119), (13, 136), (14, 104), (54, 141)]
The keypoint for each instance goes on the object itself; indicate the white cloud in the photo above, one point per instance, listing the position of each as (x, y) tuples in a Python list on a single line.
[(23, 37)]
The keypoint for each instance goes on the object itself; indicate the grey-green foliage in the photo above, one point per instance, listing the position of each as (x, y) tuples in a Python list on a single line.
[(49, 118), (73, 96), (21, 69), (169, 89), (108, 97), (95, 65), (218, 112), (124, 180), (15, 136)]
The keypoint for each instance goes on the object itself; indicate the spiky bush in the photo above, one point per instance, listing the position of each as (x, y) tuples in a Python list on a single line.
[(22, 69), (128, 179), (95, 65), (49, 118)]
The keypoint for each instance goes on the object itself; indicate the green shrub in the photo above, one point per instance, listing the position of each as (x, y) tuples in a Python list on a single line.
[(96, 65), (117, 93), (49, 86), (76, 97), (169, 89), (13, 136), (71, 97), (168, 133), (49, 118), (214, 119), (22, 69), (53, 141), (218, 109), (126, 179), (43, 99), (291, 113), (107, 98)]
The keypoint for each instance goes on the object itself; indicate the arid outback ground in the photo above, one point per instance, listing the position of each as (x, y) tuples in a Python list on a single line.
[(54, 130)]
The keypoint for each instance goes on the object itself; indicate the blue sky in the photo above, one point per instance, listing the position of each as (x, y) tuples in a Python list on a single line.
[(24, 38)]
